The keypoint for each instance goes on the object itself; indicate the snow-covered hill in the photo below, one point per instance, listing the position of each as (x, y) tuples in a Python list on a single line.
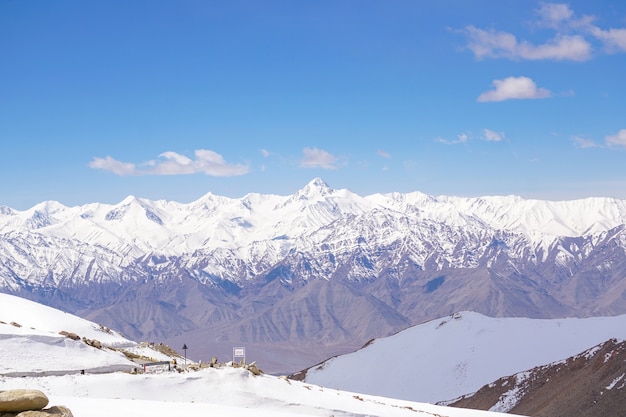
[(291, 276), (449, 357), (224, 391)]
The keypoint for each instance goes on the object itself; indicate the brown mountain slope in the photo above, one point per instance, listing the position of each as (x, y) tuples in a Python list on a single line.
[(591, 384)]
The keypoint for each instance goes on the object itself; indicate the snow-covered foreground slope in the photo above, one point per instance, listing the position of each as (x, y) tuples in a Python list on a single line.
[(443, 359), (224, 391), (34, 316), (217, 391), (27, 328)]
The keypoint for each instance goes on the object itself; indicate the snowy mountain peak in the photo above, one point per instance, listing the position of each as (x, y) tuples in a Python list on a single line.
[(7, 211), (129, 200), (316, 188), (212, 223), (38, 220)]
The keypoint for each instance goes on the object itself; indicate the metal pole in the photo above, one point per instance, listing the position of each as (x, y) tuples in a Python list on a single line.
[(185, 350)]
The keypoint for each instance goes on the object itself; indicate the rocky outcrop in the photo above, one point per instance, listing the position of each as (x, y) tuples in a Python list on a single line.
[(22, 400), (29, 403), (56, 411)]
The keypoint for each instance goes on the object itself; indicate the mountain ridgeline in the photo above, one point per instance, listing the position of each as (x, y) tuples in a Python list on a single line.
[(302, 277)]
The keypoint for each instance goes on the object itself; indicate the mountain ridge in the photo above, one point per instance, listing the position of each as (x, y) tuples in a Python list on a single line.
[(556, 218)]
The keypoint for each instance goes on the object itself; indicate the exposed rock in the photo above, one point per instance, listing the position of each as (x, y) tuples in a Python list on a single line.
[(22, 400), (56, 411), (71, 335), (93, 343), (253, 368)]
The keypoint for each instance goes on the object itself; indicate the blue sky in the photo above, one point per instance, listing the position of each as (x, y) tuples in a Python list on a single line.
[(175, 99)]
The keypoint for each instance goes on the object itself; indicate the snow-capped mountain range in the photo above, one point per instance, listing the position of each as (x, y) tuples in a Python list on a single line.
[(322, 267)]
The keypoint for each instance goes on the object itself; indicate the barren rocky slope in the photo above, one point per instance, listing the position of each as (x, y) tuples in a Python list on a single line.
[(591, 384)]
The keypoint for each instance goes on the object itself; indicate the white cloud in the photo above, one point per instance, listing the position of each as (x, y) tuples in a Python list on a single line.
[(514, 88), (317, 158), (461, 138), (116, 167), (614, 39), (383, 154), (619, 139), (490, 44), (584, 143), (572, 39), (561, 48), (554, 14), (491, 136), (560, 17), (172, 163), (265, 153), (493, 44)]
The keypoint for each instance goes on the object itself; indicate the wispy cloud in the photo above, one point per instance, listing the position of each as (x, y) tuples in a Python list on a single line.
[(383, 154), (617, 140), (512, 88), (614, 39), (461, 138), (318, 158), (492, 136), (493, 44), (117, 167), (561, 18), (172, 163), (553, 14), (572, 39), (584, 143)]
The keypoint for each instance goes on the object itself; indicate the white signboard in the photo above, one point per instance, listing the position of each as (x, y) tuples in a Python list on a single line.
[(239, 352)]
